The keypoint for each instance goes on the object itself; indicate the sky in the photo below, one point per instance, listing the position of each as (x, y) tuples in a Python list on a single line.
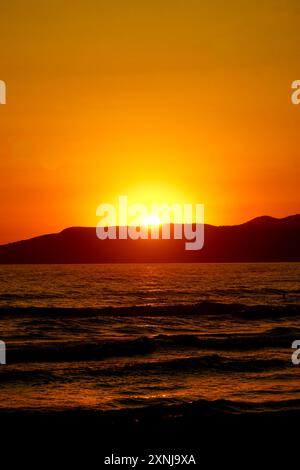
[(163, 101)]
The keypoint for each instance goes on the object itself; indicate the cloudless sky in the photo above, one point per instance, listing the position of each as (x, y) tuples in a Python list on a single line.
[(164, 101)]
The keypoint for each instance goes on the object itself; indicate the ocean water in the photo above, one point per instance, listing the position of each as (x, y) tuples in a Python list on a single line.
[(110, 337)]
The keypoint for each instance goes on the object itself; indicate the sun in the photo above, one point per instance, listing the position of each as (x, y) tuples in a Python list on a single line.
[(151, 220)]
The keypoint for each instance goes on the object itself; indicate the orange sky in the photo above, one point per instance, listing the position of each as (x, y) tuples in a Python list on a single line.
[(173, 101)]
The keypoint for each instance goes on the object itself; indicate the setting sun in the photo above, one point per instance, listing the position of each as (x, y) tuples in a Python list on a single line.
[(151, 220), (149, 229)]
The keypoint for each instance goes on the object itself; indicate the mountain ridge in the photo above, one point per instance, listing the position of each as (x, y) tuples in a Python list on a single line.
[(260, 239)]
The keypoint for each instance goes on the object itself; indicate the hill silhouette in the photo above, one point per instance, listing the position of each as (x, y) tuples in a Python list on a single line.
[(263, 239)]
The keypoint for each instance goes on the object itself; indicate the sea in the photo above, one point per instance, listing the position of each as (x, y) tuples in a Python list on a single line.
[(126, 336)]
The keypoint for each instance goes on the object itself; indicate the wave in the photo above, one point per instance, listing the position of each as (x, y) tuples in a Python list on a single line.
[(36, 376), (280, 337), (203, 308), (155, 416), (64, 352), (209, 363), (30, 296)]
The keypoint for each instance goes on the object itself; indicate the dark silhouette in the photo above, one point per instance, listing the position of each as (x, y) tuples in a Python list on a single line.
[(263, 239)]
